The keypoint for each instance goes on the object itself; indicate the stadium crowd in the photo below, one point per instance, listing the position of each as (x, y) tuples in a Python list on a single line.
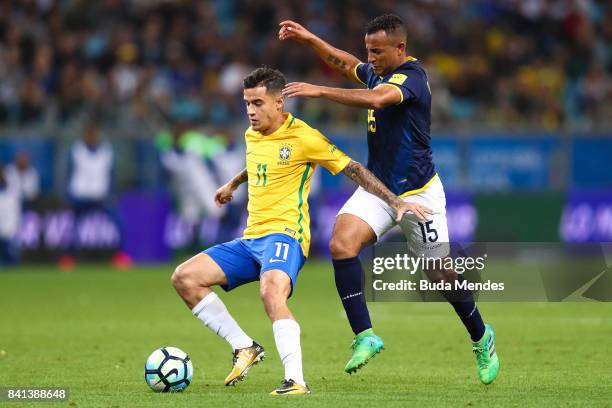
[(493, 64)]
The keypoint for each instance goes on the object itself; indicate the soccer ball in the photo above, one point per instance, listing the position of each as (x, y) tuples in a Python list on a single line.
[(168, 369)]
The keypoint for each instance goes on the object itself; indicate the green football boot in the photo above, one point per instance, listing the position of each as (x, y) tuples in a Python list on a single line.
[(365, 346), (486, 356)]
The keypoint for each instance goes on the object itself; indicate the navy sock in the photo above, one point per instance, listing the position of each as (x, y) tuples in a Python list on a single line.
[(463, 302), (349, 282)]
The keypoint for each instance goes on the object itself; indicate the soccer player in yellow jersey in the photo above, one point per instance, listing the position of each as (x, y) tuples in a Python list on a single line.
[(281, 154)]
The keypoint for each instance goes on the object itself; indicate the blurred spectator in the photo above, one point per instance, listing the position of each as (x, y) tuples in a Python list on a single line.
[(26, 175), (493, 64), (10, 216), (227, 164), (192, 181), (90, 177), (597, 89), (91, 162)]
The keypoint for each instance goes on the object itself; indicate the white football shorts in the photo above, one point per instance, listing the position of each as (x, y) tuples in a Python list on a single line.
[(428, 238)]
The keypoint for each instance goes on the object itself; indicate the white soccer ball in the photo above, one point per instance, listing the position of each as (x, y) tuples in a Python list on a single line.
[(168, 369)]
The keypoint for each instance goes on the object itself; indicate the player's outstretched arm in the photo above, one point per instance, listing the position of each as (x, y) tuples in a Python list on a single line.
[(339, 60), (225, 193), (379, 97), (370, 183)]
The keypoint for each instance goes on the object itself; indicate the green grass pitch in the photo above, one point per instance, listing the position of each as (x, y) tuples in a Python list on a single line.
[(91, 331)]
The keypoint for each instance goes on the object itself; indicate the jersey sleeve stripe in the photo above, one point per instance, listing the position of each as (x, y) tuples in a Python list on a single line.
[(301, 201), (291, 122), (357, 76), (418, 190), (398, 90)]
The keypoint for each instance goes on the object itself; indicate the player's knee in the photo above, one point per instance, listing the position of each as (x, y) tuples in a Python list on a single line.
[(182, 277), (274, 287), (341, 246), (178, 277)]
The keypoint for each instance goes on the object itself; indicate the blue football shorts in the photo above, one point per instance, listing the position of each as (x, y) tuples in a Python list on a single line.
[(244, 260)]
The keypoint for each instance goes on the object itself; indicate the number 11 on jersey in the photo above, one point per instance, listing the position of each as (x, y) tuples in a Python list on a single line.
[(282, 250)]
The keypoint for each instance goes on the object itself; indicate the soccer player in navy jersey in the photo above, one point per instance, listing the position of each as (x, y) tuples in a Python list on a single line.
[(398, 99)]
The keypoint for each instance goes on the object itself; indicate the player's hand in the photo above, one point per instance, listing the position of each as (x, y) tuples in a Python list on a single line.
[(293, 89), (293, 31), (224, 195), (402, 207)]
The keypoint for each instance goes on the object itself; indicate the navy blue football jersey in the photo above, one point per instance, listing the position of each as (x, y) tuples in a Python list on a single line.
[(399, 144)]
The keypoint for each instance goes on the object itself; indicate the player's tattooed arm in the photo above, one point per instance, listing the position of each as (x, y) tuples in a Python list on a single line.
[(239, 178), (379, 97), (225, 193), (339, 60), (364, 177), (370, 183)]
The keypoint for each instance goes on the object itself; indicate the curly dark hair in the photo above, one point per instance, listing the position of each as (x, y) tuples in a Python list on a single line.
[(272, 79), (389, 23)]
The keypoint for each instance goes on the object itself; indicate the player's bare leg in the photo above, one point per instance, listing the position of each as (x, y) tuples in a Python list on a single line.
[(483, 336), (275, 290), (192, 280), (349, 236), (275, 287)]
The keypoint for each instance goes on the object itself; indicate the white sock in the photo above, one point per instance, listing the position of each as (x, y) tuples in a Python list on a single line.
[(287, 337), (213, 313)]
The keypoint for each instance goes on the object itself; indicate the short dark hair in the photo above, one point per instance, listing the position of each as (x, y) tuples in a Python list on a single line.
[(389, 23), (271, 79)]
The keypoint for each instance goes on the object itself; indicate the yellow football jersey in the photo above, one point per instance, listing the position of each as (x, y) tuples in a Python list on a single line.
[(280, 167)]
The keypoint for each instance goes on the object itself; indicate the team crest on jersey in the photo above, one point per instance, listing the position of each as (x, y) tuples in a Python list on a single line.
[(398, 79), (284, 153)]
